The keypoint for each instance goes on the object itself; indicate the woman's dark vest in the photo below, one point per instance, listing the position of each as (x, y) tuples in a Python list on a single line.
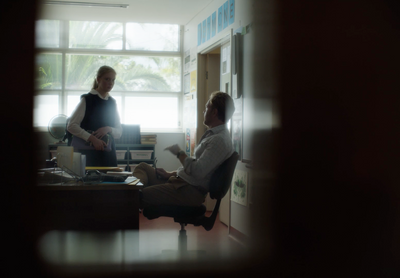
[(99, 113)]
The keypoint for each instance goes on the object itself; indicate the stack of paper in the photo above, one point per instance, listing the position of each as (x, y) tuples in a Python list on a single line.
[(65, 156), (123, 173), (79, 164), (148, 139)]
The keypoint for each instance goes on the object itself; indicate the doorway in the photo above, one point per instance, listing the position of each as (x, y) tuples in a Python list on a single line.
[(210, 79)]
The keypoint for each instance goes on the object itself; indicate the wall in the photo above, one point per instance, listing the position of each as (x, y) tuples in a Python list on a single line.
[(240, 214)]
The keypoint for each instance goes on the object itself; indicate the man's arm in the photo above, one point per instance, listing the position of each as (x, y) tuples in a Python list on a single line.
[(214, 154), (182, 156)]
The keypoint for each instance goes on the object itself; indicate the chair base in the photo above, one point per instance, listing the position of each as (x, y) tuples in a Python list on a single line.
[(182, 253)]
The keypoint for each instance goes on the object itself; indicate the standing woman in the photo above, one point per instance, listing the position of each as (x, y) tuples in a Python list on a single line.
[(97, 113)]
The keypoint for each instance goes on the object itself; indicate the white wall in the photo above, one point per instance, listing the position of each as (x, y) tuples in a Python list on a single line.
[(144, 11)]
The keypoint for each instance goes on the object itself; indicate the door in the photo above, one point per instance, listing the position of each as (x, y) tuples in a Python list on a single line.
[(214, 73), (212, 84)]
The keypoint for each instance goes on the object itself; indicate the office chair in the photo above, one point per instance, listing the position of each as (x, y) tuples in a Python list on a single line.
[(219, 185)]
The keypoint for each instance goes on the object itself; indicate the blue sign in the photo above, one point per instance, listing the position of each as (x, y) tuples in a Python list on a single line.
[(204, 31), (220, 19), (199, 29), (226, 14), (214, 24), (209, 27), (231, 11)]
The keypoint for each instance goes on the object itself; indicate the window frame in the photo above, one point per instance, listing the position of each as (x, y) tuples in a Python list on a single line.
[(65, 50)]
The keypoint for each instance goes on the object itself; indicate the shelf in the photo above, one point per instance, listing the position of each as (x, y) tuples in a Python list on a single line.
[(130, 147)]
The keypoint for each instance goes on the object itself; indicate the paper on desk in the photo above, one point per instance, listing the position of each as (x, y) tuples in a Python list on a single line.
[(133, 181), (54, 177), (65, 156), (129, 180), (124, 173)]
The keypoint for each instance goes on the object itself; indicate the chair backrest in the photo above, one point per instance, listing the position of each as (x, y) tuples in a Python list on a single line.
[(130, 135), (222, 177)]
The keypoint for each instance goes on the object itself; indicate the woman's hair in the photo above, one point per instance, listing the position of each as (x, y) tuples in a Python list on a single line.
[(224, 104), (101, 71)]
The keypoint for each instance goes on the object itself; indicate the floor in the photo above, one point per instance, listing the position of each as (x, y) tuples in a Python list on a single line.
[(157, 241), (162, 234)]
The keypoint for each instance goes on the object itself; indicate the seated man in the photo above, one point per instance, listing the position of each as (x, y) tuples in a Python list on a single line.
[(188, 186)]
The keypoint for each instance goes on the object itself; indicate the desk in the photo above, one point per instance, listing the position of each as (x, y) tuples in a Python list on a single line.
[(88, 207)]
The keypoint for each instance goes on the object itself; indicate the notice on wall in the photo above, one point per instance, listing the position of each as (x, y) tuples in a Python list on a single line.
[(187, 62), (188, 141), (226, 59), (189, 111), (193, 81), (186, 83), (239, 187), (189, 123)]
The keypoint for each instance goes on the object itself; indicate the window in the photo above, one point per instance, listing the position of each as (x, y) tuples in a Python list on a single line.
[(148, 87)]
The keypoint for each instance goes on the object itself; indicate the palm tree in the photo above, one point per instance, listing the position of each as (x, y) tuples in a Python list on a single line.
[(48, 71)]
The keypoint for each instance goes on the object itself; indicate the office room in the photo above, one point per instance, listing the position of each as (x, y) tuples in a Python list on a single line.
[(317, 84)]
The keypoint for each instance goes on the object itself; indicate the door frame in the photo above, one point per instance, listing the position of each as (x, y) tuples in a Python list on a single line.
[(202, 67)]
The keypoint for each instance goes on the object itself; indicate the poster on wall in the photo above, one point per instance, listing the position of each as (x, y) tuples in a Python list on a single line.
[(234, 86), (188, 141), (189, 115), (187, 61), (186, 83), (193, 81), (225, 60), (239, 187), (192, 141), (237, 127)]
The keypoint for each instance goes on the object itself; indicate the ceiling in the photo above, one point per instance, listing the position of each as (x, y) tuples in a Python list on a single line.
[(160, 11)]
